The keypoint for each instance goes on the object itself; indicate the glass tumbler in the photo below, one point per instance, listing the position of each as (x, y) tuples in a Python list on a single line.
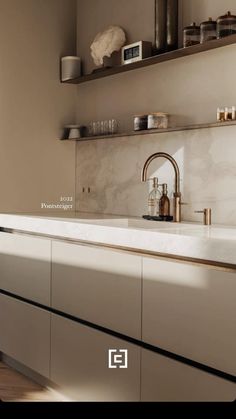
[(113, 126), (98, 128), (106, 127)]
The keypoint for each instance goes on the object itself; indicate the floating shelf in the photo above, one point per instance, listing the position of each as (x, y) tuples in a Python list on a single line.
[(157, 131), (157, 59)]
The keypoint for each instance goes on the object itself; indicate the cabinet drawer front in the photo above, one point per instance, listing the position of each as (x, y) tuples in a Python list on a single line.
[(101, 286), (79, 364), (25, 266), (25, 334), (165, 380), (191, 310)]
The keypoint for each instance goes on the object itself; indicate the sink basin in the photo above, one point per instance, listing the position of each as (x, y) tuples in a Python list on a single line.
[(119, 222), (129, 223), (133, 223)]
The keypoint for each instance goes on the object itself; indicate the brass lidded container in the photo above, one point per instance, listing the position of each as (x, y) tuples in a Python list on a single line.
[(208, 30), (226, 25), (191, 35)]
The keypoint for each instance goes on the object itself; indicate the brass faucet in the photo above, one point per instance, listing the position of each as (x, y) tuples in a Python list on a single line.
[(206, 216), (177, 193)]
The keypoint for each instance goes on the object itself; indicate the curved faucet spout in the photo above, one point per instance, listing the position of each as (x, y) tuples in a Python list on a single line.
[(177, 194), (171, 160)]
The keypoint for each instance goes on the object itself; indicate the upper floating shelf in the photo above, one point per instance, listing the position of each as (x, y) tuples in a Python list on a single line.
[(156, 131), (182, 52)]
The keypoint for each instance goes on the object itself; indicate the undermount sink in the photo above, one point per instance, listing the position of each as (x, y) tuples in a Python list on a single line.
[(123, 223), (131, 223)]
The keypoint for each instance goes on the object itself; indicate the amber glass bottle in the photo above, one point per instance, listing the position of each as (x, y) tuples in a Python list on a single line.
[(164, 202)]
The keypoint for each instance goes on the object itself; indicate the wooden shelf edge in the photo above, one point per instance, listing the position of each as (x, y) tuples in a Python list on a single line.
[(179, 53), (155, 131)]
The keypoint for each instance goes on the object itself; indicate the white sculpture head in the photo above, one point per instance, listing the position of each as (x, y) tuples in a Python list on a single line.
[(106, 42)]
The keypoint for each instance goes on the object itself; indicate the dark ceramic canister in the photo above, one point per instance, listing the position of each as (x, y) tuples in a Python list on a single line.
[(172, 24), (161, 25)]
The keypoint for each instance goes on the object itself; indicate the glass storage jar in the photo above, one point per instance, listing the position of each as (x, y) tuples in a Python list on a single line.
[(158, 120), (191, 35), (140, 122), (226, 25), (208, 30)]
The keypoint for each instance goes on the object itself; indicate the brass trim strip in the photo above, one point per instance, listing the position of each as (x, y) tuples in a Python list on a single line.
[(140, 252)]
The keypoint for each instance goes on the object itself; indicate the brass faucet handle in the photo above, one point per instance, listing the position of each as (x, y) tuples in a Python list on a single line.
[(207, 216)]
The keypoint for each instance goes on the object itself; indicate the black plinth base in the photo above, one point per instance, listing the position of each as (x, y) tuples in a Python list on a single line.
[(159, 218)]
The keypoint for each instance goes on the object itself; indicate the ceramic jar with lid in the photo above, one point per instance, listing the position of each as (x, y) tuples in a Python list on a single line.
[(208, 30), (226, 25), (191, 35)]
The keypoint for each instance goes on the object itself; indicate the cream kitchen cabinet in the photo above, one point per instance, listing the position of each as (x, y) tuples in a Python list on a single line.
[(97, 285), (80, 364), (191, 311), (165, 380), (25, 334), (25, 266)]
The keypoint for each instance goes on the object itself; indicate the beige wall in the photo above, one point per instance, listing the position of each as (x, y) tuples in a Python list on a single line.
[(34, 166), (177, 87), (190, 89), (200, 10), (135, 16)]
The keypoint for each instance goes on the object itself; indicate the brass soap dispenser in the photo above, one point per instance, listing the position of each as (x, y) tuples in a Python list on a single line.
[(164, 202)]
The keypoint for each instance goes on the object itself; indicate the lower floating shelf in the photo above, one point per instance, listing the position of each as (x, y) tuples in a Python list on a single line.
[(156, 131)]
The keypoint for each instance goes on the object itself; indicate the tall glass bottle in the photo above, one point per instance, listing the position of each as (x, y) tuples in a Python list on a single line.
[(154, 199)]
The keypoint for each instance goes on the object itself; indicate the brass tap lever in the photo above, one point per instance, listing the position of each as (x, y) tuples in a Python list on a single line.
[(207, 216)]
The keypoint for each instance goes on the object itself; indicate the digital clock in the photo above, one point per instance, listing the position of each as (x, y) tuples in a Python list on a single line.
[(136, 52)]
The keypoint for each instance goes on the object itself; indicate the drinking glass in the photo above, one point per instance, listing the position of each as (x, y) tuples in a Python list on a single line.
[(113, 126), (98, 128)]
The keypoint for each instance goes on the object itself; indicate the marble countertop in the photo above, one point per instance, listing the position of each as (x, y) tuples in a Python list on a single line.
[(215, 243)]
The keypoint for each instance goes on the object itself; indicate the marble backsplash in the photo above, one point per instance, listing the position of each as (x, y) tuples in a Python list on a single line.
[(207, 162)]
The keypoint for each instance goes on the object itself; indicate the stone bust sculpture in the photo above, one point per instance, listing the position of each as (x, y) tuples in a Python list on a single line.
[(105, 43)]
